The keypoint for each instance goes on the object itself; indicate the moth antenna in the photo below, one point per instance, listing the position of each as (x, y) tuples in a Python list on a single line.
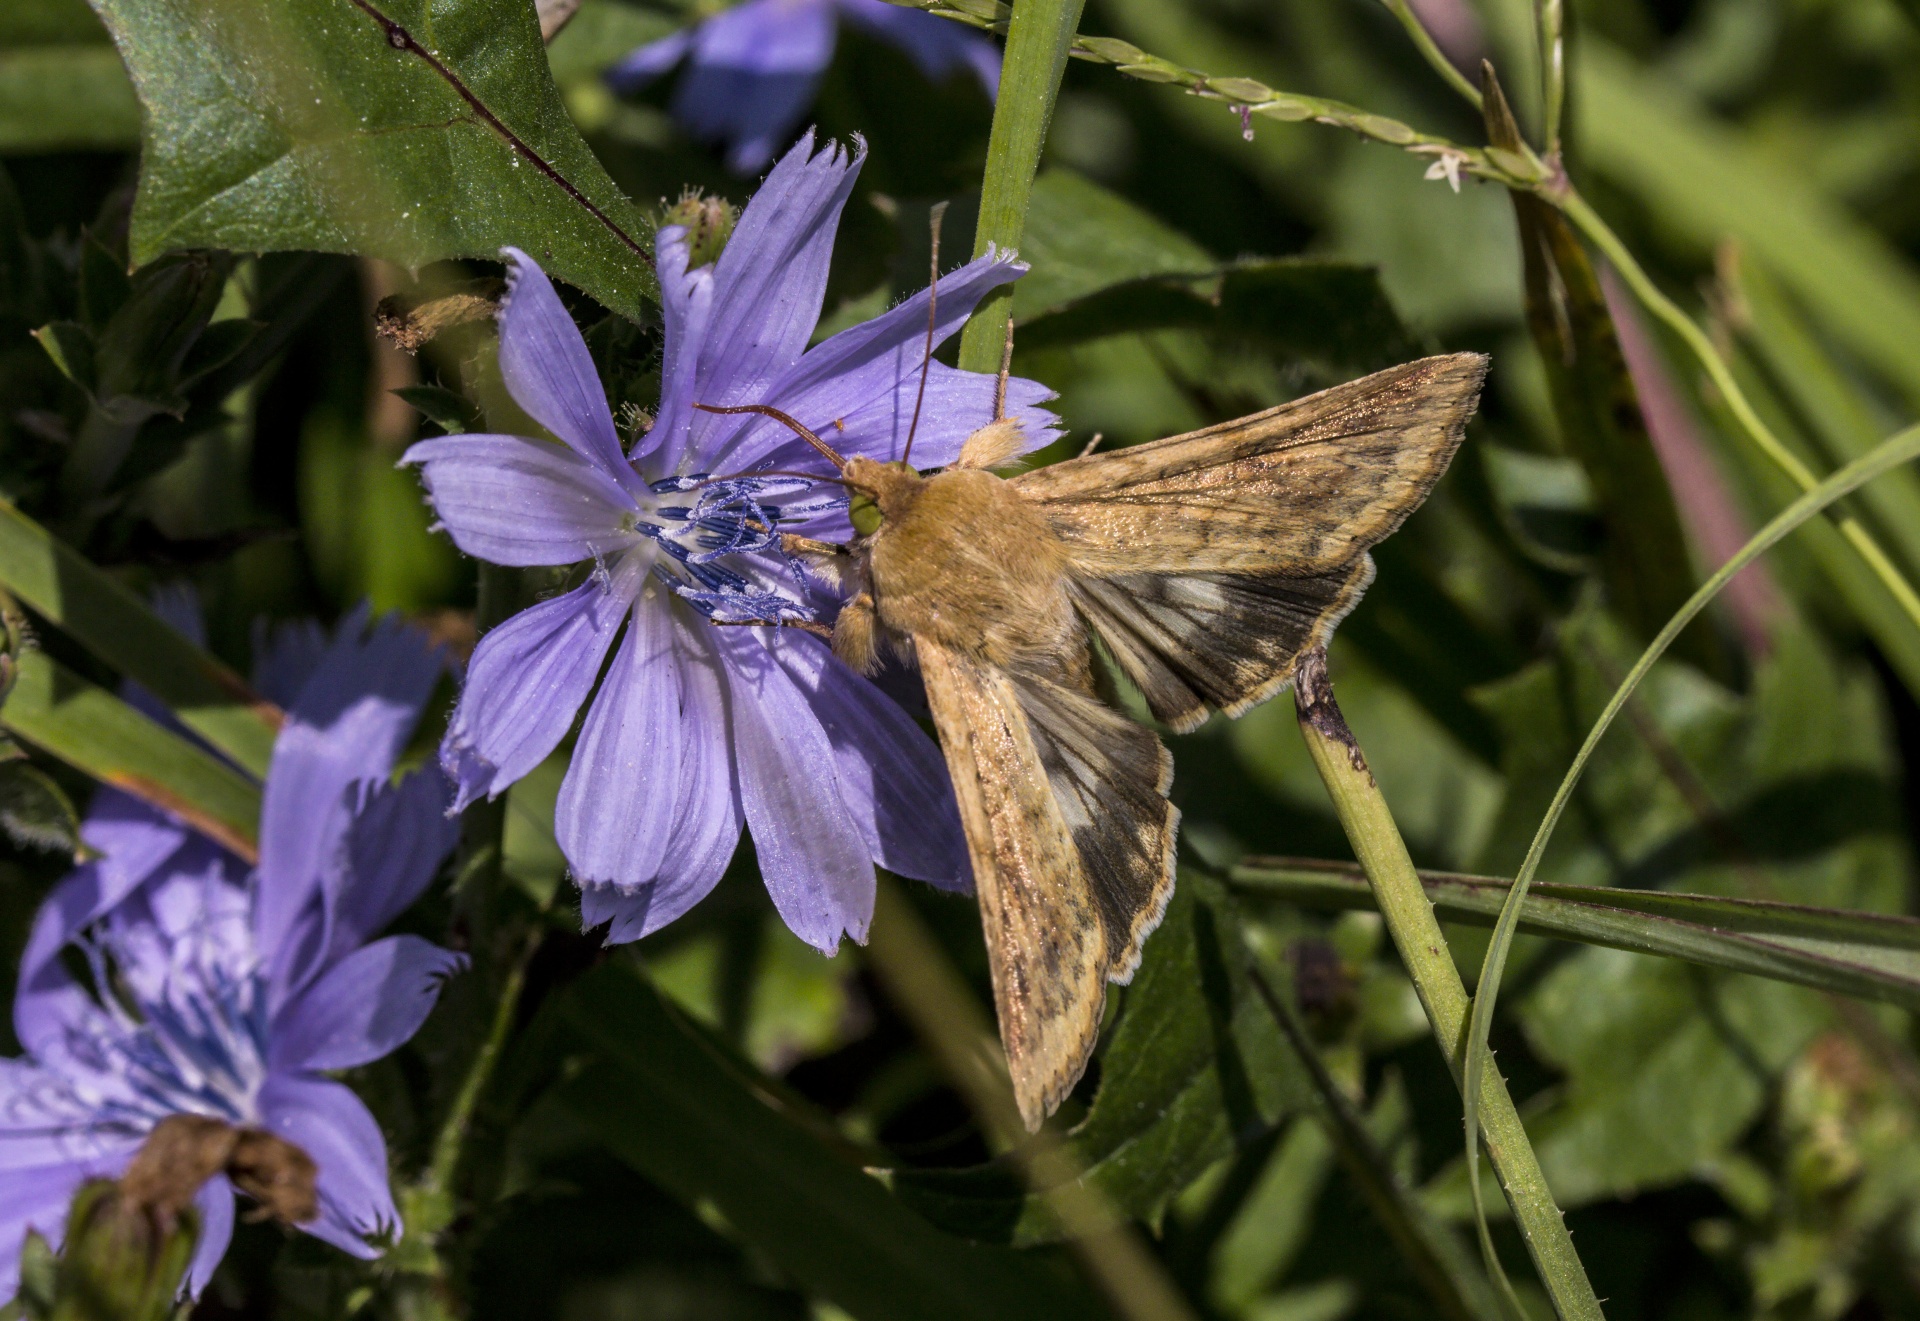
[(767, 410), (768, 472), (934, 217), (1006, 370)]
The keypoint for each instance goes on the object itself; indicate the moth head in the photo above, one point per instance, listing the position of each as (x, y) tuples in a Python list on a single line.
[(879, 491)]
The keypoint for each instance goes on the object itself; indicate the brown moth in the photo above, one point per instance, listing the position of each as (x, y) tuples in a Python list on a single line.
[(1205, 563)]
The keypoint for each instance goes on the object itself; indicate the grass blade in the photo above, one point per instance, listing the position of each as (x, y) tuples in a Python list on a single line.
[(117, 626), (92, 730), (1871, 956), (1900, 448)]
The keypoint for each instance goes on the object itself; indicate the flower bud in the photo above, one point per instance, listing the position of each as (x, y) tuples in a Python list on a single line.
[(708, 222)]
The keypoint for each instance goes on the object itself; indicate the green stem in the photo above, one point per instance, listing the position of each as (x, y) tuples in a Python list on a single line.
[(1416, 934), (1721, 375), (1900, 448), (450, 1143), (1553, 69), (1039, 36), (1430, 50), (929, 992), (1423, 1242)]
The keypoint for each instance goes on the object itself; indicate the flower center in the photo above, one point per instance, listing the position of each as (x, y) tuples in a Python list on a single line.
[(182, 1027), (720, 544)]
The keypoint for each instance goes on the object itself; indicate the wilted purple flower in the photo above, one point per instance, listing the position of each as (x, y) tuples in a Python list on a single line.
[(219, 992), (754, 68), (696, 728)]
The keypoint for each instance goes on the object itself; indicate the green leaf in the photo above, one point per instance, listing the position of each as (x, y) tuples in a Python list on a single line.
[(115, 625), (1873, 956), (413, 130), (92, 730), (1081, 238), (453, 413), (670, 1102), (34, 812), (66, 98), (71, 348), (1194, 1069)]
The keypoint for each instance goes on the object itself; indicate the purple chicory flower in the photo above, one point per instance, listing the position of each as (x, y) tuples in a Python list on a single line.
[(234, 992), (753, 69), (697, 729)]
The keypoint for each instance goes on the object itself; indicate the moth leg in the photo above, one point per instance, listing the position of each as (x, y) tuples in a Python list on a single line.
[(798, 545), (855, 639), (818, 630)]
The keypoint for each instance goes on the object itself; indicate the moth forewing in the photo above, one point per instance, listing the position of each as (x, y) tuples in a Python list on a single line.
[(1297, 490), (1046, 945)]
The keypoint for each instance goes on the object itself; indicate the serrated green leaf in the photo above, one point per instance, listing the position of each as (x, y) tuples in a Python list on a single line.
[(34, 812), (413, 130), (666, 1100), (118, 627), (92, 730)]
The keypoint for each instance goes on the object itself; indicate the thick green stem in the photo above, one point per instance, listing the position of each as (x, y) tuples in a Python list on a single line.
[(1039, 35), (1423, 949)]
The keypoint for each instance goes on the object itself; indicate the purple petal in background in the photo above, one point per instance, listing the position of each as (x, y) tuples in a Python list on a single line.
[(348, 724), (400, 834), (937, 46), (508, 500), (36, 1199), (329, 1123), (526, 681), (216, 1232), (637, 68), (754, 71), (367, 1005), (813, 856), (549, 372)]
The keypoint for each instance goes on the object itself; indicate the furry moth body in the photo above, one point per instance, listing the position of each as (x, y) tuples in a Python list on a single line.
[(1206, 564)]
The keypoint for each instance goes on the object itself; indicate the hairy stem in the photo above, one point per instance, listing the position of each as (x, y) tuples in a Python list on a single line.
[(1416, 934)]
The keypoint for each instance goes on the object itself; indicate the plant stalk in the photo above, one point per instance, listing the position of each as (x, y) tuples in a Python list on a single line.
[(1423, 949), (1039, 35), (924, 985)]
